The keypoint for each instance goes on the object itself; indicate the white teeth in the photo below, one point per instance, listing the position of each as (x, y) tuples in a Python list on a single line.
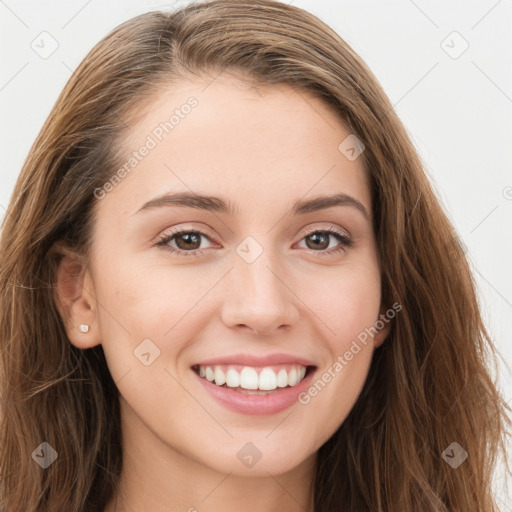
[(232, 378), (248, 378), (220, 378), (267, 380), (282, 379), (209, 374)]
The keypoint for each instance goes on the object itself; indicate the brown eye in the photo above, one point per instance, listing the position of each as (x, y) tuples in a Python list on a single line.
[(190, 241), (183, 242), (319, 240)]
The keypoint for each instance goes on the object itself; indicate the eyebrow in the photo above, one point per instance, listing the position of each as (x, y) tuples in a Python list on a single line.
[(216, 204)]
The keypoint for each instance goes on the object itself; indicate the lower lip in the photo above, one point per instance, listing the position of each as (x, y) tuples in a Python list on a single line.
[(256, 404)]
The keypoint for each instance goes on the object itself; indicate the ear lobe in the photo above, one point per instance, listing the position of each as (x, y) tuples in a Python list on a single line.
[(72, 292), (383, 333)]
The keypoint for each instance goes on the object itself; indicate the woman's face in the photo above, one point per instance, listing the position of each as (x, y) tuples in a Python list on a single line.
[(253, 282)]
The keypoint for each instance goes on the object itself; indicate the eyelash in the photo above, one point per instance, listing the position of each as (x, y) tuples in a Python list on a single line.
[(345, 241)]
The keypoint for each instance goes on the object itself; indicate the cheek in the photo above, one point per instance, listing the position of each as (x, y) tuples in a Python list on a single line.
[(346, 302), (139, 302), (336, 389), (347, 309), (338, 384), (150, 298)]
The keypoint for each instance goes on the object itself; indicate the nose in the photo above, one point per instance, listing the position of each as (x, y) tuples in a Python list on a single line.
[(258, 297)]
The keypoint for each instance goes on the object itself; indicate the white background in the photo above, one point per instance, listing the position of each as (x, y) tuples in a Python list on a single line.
[(458, 111)]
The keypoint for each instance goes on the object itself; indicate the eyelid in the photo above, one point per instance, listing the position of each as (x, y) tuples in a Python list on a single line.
[(329, 228)]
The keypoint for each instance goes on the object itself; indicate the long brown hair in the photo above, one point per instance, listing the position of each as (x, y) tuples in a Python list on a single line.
[(429, 384)]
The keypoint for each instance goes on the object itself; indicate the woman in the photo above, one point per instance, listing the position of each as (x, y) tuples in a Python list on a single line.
[(228, 284)]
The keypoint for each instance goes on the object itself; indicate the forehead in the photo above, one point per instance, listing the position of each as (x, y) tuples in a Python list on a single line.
[(267, 145)]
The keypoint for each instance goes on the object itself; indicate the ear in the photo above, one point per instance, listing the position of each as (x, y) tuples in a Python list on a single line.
[(383, 333), (73, 292)]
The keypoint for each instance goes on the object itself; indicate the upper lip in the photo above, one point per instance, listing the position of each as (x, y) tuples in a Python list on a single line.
[(254, 360)]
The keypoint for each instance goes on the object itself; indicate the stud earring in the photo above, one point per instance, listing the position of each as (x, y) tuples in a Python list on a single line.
[(84, 328)]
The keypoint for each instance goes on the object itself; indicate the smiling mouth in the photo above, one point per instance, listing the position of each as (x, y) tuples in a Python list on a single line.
[(254, 380)]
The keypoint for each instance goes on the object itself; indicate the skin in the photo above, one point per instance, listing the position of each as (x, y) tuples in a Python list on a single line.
[(261, 149)]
